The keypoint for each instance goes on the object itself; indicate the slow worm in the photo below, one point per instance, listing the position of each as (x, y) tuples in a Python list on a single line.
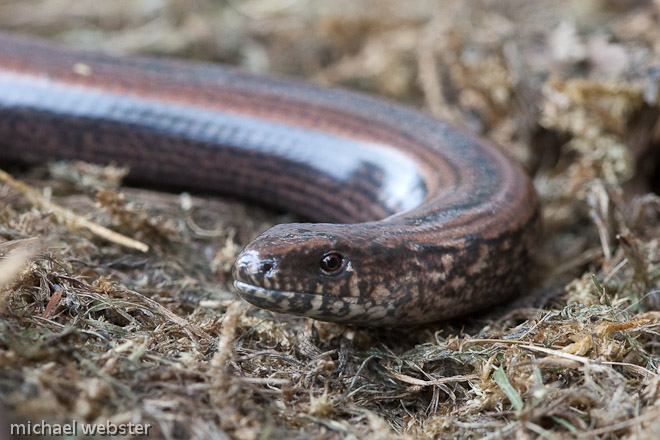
[(427, 221)]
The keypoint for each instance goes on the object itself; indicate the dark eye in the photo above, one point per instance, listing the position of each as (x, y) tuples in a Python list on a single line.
[(332, 262)]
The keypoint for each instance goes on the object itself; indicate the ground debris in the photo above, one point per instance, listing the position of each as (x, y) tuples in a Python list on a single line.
[(94, 331)]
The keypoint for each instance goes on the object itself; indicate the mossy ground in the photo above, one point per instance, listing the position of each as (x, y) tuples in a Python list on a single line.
[(94, 331)]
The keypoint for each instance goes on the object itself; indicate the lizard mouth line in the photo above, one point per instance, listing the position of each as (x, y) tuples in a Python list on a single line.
[(325, 307), (242, 286), (250, 292)]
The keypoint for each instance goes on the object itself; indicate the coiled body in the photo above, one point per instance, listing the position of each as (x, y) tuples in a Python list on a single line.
[(428, 222)]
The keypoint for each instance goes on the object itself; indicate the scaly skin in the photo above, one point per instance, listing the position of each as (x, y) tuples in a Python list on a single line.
[(431, 221)]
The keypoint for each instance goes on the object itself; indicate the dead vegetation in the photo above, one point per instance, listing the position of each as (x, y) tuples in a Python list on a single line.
[(92, 330)]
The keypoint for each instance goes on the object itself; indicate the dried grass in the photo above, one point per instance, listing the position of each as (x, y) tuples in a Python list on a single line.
[(94, 331)]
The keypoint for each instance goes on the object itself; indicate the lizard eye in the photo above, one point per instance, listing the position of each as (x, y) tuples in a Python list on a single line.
[(332, 262)]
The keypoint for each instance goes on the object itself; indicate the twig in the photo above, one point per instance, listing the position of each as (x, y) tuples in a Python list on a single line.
[(69, 218)]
